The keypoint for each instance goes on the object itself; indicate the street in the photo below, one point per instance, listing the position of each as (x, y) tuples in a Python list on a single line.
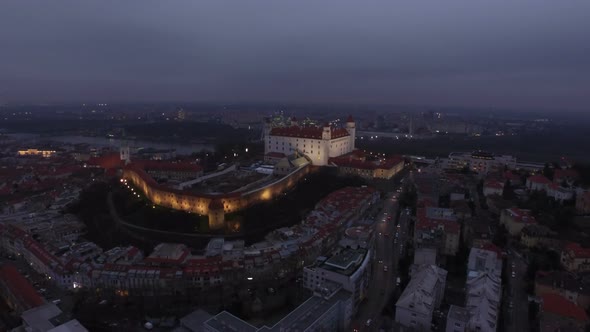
[(385, 264), (516, 304)]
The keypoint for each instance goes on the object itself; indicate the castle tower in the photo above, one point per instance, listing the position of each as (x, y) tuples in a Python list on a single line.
[(327, 133), (125, 154), (266, 128), (216, 214), (351, 128)]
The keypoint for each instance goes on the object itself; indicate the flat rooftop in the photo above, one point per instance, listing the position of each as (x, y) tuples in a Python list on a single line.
[(226, 322), (308, 312), (345, 262), (169, 251)]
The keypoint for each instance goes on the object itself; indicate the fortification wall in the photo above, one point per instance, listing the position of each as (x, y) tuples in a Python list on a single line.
[(195, 203)]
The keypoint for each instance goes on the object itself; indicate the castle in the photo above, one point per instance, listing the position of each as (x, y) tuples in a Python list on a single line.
[(317, 143)]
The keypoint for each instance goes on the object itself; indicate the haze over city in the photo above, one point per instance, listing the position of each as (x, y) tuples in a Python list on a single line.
[(257, 166), (526, 55)]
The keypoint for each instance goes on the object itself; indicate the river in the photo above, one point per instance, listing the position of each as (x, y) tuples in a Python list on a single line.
[(95, 141)]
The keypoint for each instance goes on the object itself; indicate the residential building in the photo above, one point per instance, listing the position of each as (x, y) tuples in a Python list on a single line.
[(483, 261), (493, 187), (357, 163), (574, 288), (348, 268), (575, 258), (318, 143), (483, 300), (559, 314), (327, 310), (457, 319), (583, 202), (421, 297), (515, 220), (425, 256), (437, 227), (559, 193), (49, 318), (537, 182), (480, 162), (565, 176), (538, 236), (18, 293)]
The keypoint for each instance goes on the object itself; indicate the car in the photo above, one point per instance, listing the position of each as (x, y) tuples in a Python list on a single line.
[(510, 305), (384, 268), (513, 275), (398, 281), (369, 321), (380, 261)]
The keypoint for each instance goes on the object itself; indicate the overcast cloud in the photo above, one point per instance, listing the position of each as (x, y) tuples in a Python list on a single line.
[(500, 53)]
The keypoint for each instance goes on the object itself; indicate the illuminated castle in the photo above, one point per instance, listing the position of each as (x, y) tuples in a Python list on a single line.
[(317, 143)]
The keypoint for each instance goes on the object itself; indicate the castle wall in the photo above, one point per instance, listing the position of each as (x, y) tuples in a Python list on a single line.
[(195, 203)]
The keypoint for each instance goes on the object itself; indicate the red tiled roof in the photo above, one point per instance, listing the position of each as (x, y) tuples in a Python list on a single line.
[(523, 216), (494, 184), (492, 247), (511, 176), (307, 132), (538, 178), (112, 160), (423, 222), (560, 306), (561, 174), (577, 250), (349, 119), (20, 287)]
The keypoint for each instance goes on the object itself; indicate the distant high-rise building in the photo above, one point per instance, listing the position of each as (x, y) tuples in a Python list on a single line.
[(181, 115)]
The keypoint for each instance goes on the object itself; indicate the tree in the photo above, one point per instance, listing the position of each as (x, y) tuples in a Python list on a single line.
[(548, 171), (508, 192)]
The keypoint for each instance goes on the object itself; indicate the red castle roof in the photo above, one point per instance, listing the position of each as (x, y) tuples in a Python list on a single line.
[(307, 132)]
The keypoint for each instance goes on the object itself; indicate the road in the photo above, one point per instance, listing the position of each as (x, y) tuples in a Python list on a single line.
[(386, 253), (516, 317)]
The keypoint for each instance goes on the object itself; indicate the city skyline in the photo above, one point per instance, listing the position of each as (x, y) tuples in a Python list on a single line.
[(529, 56)]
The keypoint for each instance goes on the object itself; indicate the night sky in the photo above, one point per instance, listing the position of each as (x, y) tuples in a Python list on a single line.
[(525, 54)]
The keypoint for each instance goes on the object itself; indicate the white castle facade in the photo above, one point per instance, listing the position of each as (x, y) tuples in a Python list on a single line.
[(317, 143)]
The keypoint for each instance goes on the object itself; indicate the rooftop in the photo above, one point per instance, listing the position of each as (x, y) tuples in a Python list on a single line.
[(39, 318), (168, 252), (308, 313), (345, 262), (458, 313), (313, 132), (419, 294), (20, 287), (70, 326), (226, 322), (560, 306)]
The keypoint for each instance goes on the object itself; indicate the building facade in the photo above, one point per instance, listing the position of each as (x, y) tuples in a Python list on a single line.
[(317, 143), (421, 297)]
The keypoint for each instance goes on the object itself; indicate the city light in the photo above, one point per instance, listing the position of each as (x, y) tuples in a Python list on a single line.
[(250, 278)]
